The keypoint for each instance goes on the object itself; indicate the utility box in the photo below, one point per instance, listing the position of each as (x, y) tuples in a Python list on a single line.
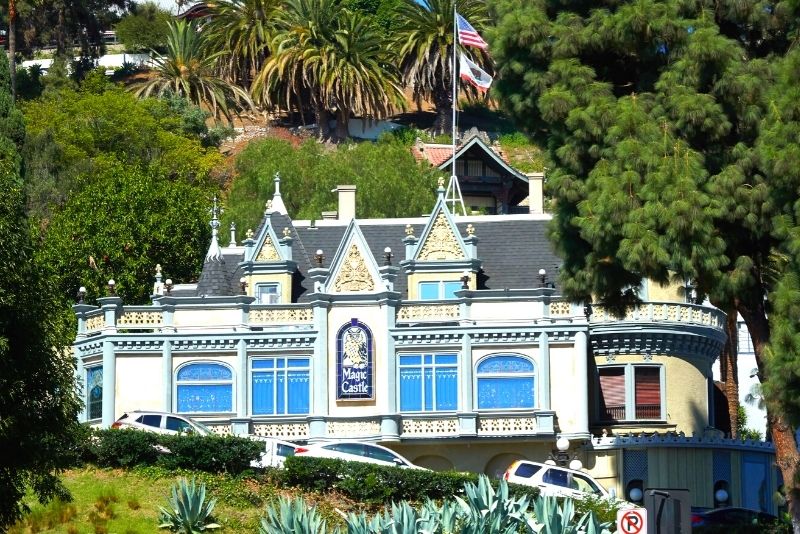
[(669, 511)]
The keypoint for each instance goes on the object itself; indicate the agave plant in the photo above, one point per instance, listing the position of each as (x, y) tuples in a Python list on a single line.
[(188, 511), (292, 517), (554, 519), (485, 510)]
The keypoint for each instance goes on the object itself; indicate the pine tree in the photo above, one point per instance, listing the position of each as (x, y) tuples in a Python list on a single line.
[(38, 405), (654, 112)]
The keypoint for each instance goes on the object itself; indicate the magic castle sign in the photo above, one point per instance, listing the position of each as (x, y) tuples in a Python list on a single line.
[(354, 362)]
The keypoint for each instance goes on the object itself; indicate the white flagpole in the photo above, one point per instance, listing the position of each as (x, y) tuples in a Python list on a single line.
[(453, 194)]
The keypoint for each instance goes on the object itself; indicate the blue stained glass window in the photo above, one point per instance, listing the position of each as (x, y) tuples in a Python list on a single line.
[(204, 388), (281, 386), (428, 386), (506, 382), (94, 392)]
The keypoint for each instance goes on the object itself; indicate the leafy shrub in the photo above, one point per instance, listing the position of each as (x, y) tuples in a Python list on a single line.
[(122, 448), (372, 483), (214, 454)]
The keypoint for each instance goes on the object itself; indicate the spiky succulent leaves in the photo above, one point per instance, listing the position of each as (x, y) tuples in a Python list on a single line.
[(189, 511), (292, 516), (485, 510), (435, 518)]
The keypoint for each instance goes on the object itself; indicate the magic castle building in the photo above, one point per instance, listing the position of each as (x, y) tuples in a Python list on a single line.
[(443, 337)]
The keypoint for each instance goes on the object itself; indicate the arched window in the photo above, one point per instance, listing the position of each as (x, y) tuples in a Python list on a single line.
[(205, 388), (506, 381)]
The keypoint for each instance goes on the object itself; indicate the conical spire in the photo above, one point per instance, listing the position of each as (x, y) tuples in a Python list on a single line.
[(276, 205), (214, 252)]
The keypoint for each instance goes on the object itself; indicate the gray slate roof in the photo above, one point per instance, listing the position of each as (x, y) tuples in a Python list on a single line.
[(512, 250)]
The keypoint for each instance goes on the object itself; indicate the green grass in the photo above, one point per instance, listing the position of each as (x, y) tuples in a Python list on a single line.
[(116, 501)]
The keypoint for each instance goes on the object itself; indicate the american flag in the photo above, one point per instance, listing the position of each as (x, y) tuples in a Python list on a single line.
[(467, 35)]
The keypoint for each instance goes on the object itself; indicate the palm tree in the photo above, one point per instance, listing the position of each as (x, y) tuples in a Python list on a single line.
[(425, 42), (12, 45), (333, 59), (243, 28), (187, 69)]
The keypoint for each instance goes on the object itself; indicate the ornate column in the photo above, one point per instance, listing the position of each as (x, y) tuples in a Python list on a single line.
[(467, 419), (317, 426), (582, 387), (109, 306), (390, 430), (166, 374), (241, 423), (544, 372)]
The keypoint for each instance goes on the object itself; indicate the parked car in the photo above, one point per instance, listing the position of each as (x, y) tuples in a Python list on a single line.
[(554, 480), (731, 520), (161, 423), (356, 451), (275, 452)]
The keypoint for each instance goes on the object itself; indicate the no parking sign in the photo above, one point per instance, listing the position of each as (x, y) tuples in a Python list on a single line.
[(632, 521)]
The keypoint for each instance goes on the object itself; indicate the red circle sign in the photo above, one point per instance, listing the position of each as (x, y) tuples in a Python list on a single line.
[(631, 522)]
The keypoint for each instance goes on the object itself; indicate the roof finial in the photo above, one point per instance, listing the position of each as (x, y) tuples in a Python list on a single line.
[(277, 202), (233, 235), (440, 188), (214, 253)]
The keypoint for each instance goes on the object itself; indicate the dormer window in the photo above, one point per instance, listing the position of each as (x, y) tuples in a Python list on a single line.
[(268, 293), (438, 290)]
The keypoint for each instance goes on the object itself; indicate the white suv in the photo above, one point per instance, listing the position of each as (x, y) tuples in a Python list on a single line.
[(553, 480), (161, 423)]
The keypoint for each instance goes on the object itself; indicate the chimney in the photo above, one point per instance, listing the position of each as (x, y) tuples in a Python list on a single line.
[(536, 192), (347, 201)]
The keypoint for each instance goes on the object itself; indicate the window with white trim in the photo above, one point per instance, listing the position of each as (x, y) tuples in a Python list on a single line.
[(280, 386), (204, 387), (428, 382), (630, 392), (438, 290), (268, 293), (506, 381)]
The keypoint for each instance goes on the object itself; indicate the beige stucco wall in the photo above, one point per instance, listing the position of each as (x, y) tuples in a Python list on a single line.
[(668, 293), (490, 458), (139, 384), (503, 311)]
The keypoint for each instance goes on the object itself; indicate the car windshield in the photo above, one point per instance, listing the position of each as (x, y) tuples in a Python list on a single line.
[(202, 427), (583, 483)]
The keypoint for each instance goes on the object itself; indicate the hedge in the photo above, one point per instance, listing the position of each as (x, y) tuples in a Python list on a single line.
[(371, 483), (128, 448)]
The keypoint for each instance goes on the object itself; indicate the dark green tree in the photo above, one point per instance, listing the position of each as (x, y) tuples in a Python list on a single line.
[(653, 111), (390, 182), (123, 223), (38, 402), (144, 28)]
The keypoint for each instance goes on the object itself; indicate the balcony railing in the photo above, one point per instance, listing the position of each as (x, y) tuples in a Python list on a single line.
[(656, 312)]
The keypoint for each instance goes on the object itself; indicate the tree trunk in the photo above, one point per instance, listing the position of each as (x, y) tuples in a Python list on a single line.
[(323, 120), (786, 454), (730, 369), (342, 129), (443, 100), (12, 46)]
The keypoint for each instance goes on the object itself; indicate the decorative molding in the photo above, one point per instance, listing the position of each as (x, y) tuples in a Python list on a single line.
[(268, 251), (507, 426), (281, 315), (420, 338), (354, 275), (287, 430), (94, 323), (560, 308), (282, 342), (641, 342), (354, 428), (428, 312), (441, 242), (139, 345), (220, 429), (412, 427), (141, 319), (195, 345), (679, 440)]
